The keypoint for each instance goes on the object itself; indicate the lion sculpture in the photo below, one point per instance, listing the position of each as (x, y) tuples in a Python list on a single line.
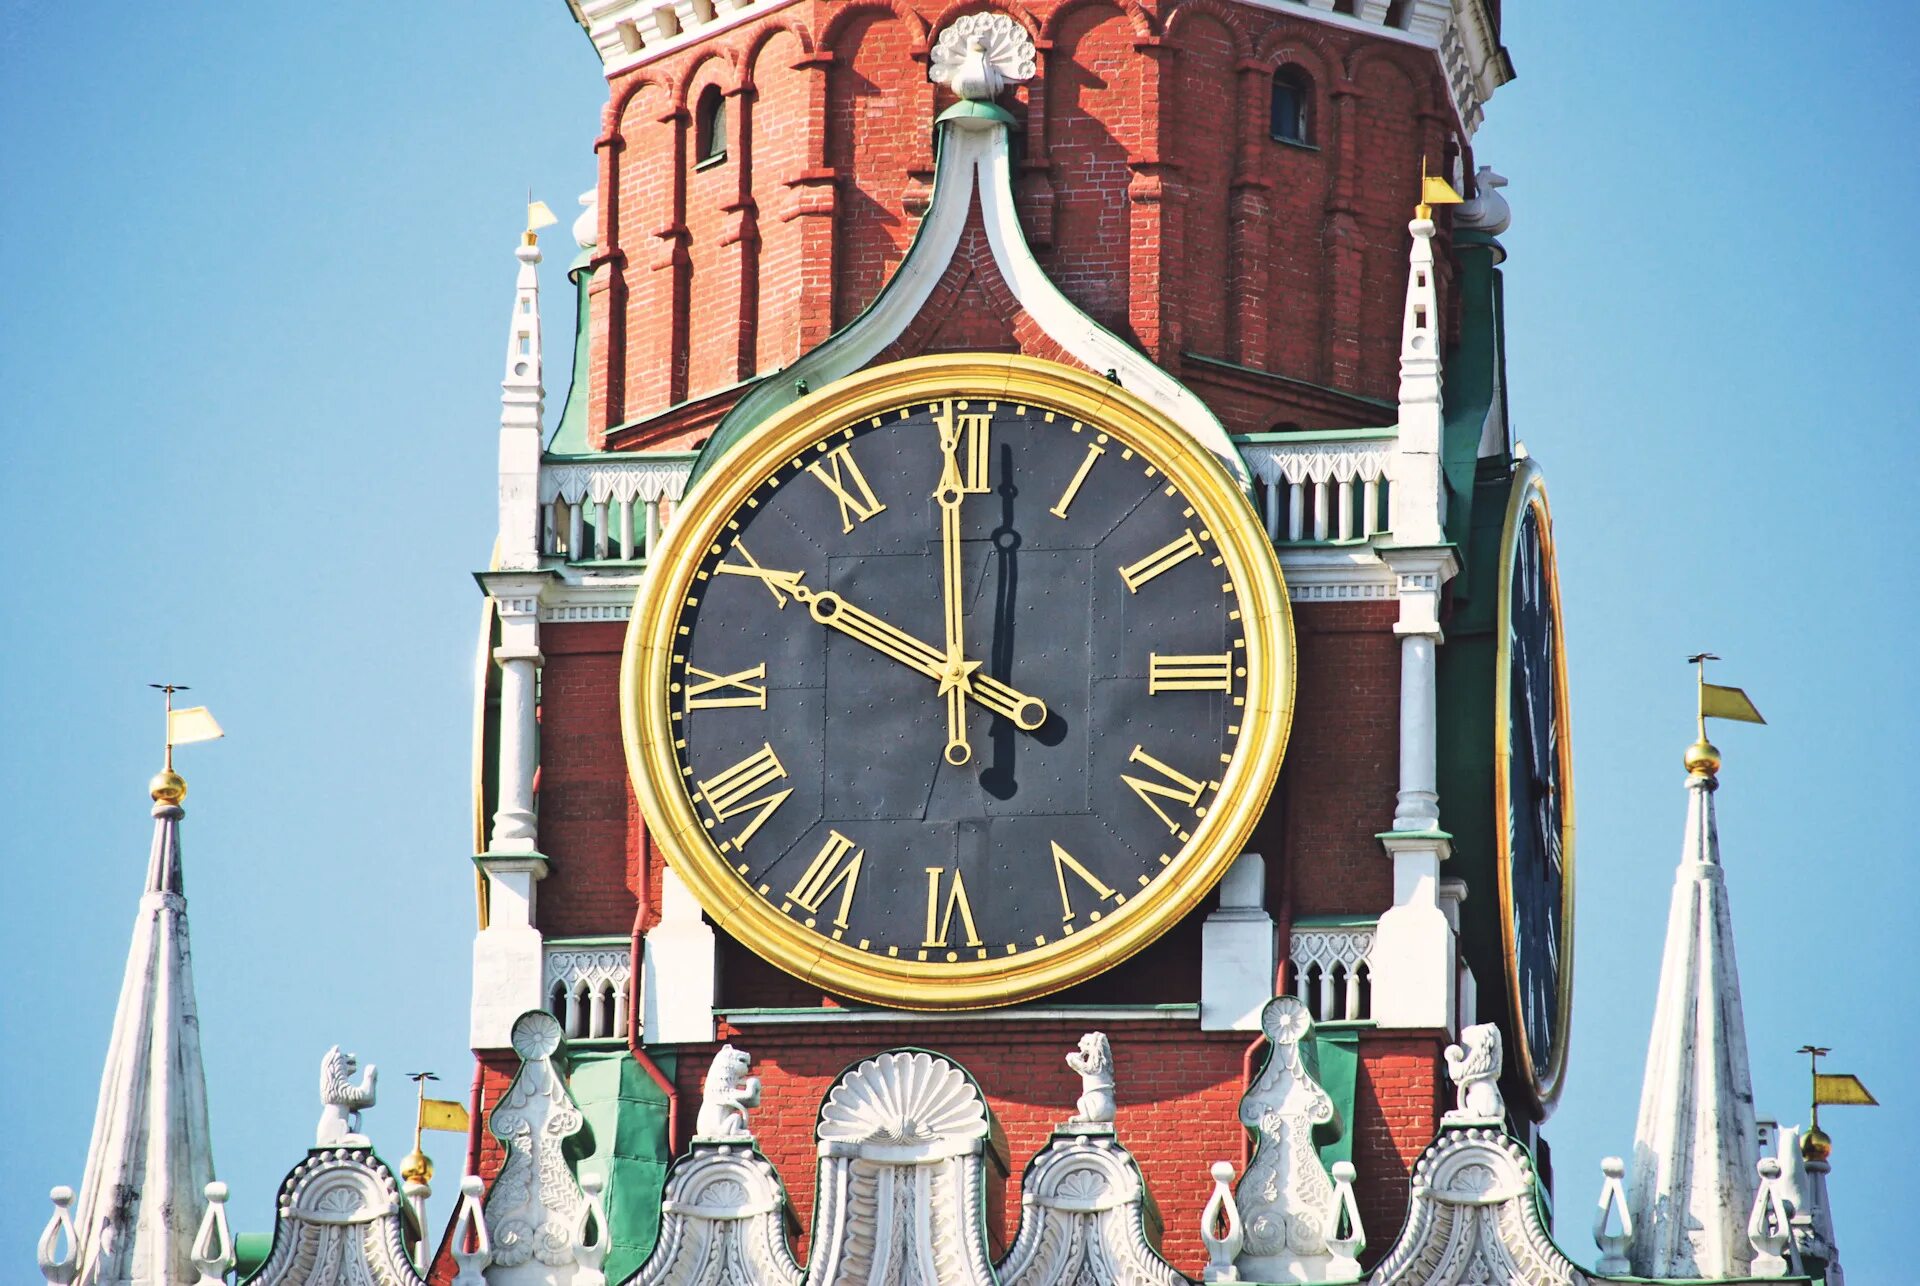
[(1094, 1061), (341, 1100), (728, 1095), (1475, 1067)]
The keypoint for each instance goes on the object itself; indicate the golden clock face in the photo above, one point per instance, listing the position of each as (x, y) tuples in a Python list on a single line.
[(958, 682), (1533, 790)]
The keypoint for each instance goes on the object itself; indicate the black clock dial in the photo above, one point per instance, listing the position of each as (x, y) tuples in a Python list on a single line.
[(1536, 804), (957, 681)]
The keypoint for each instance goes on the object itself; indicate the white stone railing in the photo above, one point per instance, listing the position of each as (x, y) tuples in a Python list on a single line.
[(612, 508), (1333, 969), (1331, 489), (585, 984)]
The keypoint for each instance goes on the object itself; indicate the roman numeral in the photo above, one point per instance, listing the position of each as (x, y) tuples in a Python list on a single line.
[(976, 437), (1094, 452), (1064, 862), (731, 793), (1171, 554), (778, 583), (831, 868), (1189, 673), (957, 900), (835, 472), (1183, 789), (729, 689)]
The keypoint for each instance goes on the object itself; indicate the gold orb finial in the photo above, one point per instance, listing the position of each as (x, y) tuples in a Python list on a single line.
[(167, 787), (1816, 1145), (416, 1168), (1703, 757)]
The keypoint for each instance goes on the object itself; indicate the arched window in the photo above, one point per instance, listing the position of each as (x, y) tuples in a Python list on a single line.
[(1291, 119), (710, 128)]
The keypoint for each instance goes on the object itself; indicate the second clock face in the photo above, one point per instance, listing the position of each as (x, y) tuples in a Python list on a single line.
[(957, 683)]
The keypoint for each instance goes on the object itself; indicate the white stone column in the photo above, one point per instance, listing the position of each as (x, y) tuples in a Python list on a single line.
[(679, 970), (1238, 950), (517, 603)]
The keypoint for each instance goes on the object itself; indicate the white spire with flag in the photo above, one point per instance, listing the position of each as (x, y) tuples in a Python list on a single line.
[(1694, 1148), (143, 1192)]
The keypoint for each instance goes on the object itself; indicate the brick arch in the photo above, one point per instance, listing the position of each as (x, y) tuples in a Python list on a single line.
[(1307, 48), (1132, 10), (1365, 55), (837, 26), (1012, 8), (656, 75), (730, 79), (1226, 16), (750, 55)]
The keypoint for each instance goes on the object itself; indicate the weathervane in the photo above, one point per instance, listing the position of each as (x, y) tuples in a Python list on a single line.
[(1717, 701), (1836, 1089), (184, 727)]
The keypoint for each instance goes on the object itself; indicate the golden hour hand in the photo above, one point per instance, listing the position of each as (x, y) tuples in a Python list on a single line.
[(833, 611), (954, 676)]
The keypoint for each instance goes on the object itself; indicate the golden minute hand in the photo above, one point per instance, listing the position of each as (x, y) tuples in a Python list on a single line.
[(948, 493)]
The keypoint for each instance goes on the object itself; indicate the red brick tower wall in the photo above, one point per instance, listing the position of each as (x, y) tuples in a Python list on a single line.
[(1268, 276)]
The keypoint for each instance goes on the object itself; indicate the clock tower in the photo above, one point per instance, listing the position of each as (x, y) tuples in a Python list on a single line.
[(1031, 547)]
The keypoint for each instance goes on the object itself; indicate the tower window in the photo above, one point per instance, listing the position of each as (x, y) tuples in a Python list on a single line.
[(710, 128), (1291, 117)]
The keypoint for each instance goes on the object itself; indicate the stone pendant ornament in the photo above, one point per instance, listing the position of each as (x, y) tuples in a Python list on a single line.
[(978, 54), (534, 1207), (1286, 1197)]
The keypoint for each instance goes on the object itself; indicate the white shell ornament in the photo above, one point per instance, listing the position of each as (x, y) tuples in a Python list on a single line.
[(979, 53), (903, 1099)]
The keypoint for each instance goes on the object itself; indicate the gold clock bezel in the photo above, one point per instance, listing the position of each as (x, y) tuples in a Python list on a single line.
[(1530, 493), (1249, 563)]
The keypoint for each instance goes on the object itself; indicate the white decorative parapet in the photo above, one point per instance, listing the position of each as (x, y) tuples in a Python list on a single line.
[(1333, 970), (586, 987), (612, 507), (1325, 490)]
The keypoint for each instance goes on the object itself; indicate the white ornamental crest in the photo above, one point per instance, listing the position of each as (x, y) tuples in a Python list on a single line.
[(980, 53)]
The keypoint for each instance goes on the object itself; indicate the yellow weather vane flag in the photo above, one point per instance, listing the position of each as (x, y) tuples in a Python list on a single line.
[(443, 1114)]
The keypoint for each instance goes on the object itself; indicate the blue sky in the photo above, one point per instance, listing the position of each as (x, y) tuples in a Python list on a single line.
[(259, 270)]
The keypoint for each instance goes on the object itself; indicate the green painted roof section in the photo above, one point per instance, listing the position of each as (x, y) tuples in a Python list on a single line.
[(1475, 374), (570, 434), (250, 1250), (627, 1116)]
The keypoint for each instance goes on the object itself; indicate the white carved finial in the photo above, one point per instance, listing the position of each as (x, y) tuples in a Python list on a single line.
[(1475, 1067), (213, 1246), (590, 1234), (341, 1101), (1220, 1227), (1486, 211), (1613, 1211), (470, 1225), (1770, 1226), (1286, 1196), (586, 228), (727, 1096), (980, 53), (1344, 1265), (56, 1264), (1094, 1062)]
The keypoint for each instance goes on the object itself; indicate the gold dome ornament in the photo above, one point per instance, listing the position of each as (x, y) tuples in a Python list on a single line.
[(1703, 757), (167, 787), (415, 1167), (1816, 1145)]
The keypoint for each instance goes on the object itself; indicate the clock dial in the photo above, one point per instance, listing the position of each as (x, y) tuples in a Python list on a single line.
[(1535, 789), (965, 691)]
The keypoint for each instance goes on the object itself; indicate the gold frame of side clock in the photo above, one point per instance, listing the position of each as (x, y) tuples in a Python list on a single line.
[(1530, 492), (1220, 837)]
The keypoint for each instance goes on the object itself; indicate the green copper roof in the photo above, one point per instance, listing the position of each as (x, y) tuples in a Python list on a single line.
[(627, 1116), (570, 434)]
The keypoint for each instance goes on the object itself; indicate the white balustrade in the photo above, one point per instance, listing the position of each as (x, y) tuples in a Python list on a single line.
[(612, 508), (1333, 970), (586, 986), (1320, 490)]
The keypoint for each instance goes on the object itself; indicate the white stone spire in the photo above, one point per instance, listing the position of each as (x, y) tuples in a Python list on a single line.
[(1694, 1147), (143, 1192), (1418, 499), (523, 400)]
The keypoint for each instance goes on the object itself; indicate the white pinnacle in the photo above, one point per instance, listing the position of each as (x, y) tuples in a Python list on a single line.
[(144, 1189), (1694, 1146)]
